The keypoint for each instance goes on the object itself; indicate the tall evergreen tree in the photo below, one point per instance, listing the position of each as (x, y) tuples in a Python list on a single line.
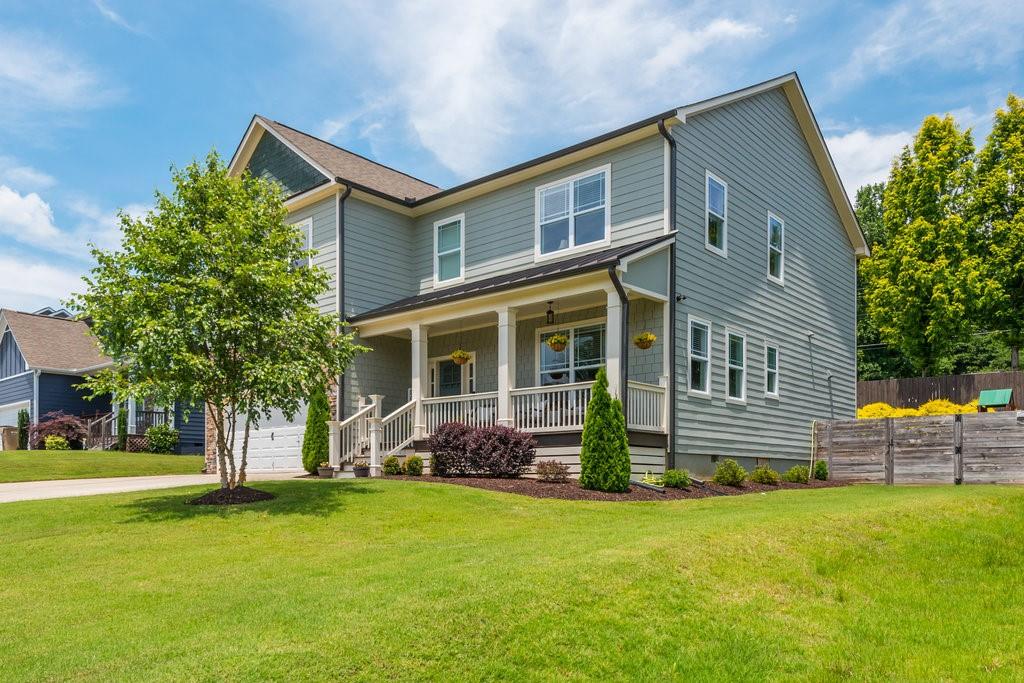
[(316, 440), (604, 455)]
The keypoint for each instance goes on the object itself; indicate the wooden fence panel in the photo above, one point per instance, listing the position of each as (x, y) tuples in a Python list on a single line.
[(910, 392), (923, 450), (993, 448), (858, 449)]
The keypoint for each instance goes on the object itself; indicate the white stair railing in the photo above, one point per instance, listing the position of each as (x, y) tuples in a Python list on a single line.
[(350, 437), (397, 429), (646, 406)]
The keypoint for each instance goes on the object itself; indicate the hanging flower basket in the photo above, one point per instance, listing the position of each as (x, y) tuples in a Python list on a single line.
[(645, 340), (460, 357), (557, 342)]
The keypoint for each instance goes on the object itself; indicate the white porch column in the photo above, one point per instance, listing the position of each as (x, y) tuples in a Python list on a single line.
[(334, 450), (373, 424), (131, 415), (420, 380), (506, 364), (613, 343)]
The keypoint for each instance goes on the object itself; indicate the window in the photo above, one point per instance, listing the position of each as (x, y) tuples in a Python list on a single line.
[(573, 212), (700, 364), (579, 361), (305, 228), (449, 248), (776, 267), (736, 362), (771, 370), (716, 200)]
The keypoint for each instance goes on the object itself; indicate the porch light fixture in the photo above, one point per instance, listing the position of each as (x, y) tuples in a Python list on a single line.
[(551, 314)]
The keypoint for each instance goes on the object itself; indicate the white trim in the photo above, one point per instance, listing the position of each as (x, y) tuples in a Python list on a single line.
[(768, 344), (690, 320), (243, 157), (742, 398), (306, 225), (464, 378), (571, 328), (20, 405), (35, 398), (781, 279), (658, 296), (20, 374), (461, 218), (573, 248), (724, 249)]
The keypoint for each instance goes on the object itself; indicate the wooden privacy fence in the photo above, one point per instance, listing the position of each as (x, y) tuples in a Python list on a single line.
[(977, 448), (910, 392)]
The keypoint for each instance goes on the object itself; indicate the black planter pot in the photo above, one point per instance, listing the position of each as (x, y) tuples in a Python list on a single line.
[(361, 471), (325, 472)]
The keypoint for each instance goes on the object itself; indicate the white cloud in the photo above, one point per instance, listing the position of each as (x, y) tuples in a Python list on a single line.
[(100, 227), (27, 219), (29, 285), (863, 157), (23, 177), (114, 17)]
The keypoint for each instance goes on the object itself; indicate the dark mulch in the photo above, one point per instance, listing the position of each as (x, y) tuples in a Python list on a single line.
[(239, 495), (571, 490)]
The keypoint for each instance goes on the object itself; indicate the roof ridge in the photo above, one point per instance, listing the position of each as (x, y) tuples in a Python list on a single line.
[(41, 315)]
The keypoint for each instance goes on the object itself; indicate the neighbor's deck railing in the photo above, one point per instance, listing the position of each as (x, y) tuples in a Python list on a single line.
[(475, 410)]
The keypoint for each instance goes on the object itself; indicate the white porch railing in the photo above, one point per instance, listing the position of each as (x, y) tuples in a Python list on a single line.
[(397, 429), (646, 406), (475, 410), (546, 409), (350, 437)]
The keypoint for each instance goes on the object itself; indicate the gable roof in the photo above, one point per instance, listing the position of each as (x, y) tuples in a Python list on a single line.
[(49, 343)]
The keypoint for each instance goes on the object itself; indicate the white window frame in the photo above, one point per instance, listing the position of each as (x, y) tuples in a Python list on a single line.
[(771, 345), (728, 366), (573, 248), (782, 249), (571, 328), (722, 251), (306, 226), (461, 218), (690, 321), (467, 376)]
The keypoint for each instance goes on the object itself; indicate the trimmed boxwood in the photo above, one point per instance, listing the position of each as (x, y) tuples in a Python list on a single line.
[(763, 474), (676, 479), (797, 474), (729, 473), (821, 470), (392, 465), (413, 466)]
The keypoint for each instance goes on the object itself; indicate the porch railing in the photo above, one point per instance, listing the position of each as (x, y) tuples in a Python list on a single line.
[(101, 432), (397, 429), (548, 409), (144, 419), (646, 406), (475, 410), (350, 437)]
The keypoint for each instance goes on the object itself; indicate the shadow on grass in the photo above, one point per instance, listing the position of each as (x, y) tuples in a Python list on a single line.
[(291, 498)]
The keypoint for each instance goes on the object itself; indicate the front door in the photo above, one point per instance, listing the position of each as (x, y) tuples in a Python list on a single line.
[(449, 376)]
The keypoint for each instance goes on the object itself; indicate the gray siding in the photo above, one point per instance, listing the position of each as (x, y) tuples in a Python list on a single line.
[(386, 370), (58, 392), (192, 434), (16, 390), (484, 341), (645, 365), (756, 146), (324, 241), (274, 161), (378, 256), (11, 360)]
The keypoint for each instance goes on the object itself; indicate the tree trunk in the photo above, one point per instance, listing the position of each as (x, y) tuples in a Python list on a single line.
[(218, 418), (245, 451), (232, 473)]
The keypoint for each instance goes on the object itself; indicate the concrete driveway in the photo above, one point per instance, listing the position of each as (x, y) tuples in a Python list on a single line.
[(66, 488)]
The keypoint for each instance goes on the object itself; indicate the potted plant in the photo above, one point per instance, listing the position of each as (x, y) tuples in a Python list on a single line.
[(645, 340), (361, 468), (460, 357), (557, 342), (325, 471)]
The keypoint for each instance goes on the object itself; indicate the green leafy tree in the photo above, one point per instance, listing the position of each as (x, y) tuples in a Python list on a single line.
[(203, 304), (924, 287), (999, 208), (604, 455), (316, 441)]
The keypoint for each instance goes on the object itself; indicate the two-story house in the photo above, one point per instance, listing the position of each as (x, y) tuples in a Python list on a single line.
[(720, 227)]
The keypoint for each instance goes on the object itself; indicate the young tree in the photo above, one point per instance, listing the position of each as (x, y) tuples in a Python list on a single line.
[(604, 455), (999, 208), (204, 304), (316, 440)]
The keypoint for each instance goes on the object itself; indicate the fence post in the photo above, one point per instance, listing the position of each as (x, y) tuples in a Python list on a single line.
[(828, 446), (958, 449), (890, 456)]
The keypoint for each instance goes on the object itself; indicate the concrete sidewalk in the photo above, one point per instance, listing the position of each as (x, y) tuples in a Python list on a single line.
[(66, 488)]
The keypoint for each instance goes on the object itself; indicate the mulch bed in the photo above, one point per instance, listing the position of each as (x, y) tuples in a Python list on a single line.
[(239, 495), (571, 490)]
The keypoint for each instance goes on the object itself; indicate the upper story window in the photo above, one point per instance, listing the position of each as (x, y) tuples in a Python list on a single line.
[(305, 228), (771, 370), (573, 212), (700, 360), (736, 366), (776, 236), (716, 200), (449, 249)]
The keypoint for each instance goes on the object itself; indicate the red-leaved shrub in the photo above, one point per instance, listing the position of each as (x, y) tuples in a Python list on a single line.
[(449, 450), (58, 423), (500, 451)]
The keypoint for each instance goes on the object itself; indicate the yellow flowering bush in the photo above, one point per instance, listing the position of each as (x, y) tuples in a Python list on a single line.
[(939, 406)]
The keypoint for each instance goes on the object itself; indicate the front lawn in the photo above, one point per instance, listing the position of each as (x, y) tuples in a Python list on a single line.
[(41, 465), (371, 579)]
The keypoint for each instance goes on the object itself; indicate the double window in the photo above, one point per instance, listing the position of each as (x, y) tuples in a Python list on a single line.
[(449, 249), (776, 236), (736, 366), (573, 212), (716, 200), (700, 357), (580, 359), (771, 370)]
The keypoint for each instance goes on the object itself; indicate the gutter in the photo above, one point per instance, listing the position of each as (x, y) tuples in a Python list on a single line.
[(624, 359), (339, 290), (670, 451)]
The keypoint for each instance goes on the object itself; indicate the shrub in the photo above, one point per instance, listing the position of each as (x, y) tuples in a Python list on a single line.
[(391, 465), (604, 455), (122, 429), (58, 424), (677, 479), (316, 440), (23, 420), (729, 473), (162, 438), (413, 466), (500, 451), (763, 474), (56, 443), (449, 450), (821, 470), (552, 470), (938, 406), (798, 474)]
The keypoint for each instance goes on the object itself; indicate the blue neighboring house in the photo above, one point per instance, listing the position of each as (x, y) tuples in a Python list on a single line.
[(44, 355)]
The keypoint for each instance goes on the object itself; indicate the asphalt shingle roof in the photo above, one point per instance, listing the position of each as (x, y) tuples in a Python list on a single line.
[(54, 343)]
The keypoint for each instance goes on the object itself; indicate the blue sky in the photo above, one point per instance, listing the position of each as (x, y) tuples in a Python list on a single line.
[(99, 97)]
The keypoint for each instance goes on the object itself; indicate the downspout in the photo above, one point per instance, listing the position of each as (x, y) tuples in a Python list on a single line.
[(624, 360), (35, 402), (672, 303), (339, 291)]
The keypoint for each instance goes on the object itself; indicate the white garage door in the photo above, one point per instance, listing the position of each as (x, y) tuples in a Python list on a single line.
[(276, 445), (9, 413)]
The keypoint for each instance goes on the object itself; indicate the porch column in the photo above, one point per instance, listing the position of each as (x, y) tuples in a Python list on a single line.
[(420, 381), (131, 414), (613, 344), (506, 364)]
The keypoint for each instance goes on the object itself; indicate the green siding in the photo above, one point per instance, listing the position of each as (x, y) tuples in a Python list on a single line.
[(649, 273), (274, 161), (324, 241), (378, 256)]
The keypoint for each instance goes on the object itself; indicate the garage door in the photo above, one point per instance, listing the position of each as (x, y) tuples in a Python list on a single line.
[(9, 413), (276, 445)]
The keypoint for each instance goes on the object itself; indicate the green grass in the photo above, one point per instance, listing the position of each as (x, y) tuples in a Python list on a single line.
[(409, 580), (41, 465)]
